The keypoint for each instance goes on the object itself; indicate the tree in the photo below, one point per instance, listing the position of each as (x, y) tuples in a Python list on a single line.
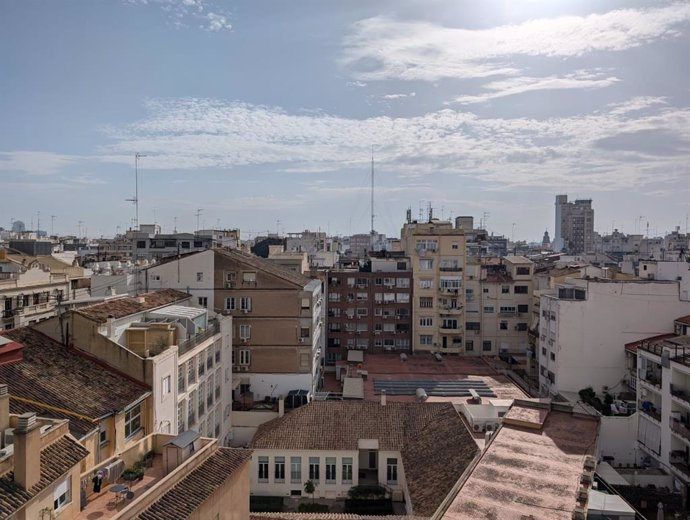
[(310, 489)]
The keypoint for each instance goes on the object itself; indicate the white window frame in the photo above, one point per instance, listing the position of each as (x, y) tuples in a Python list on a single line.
[(131, 416), (166, 385), (230, 303), (245, 331), (245, 357), (62, 494)]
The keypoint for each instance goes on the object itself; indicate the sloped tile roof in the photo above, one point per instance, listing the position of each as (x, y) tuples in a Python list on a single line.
[(121, 307), (61, 378), (262, 264), (56, 459), (78, 426), (329, 516), (432, 438), (188, 494), (684, 319)]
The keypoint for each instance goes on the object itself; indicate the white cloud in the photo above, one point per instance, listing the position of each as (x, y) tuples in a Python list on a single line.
[(358, 84), (399, 96), (209, 14), (604, 150), (34, 162), (520, 85), (636, 104), (383, 48), (217, 22)]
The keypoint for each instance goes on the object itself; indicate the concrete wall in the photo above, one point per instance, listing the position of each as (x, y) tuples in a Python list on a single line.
[(589, 336), (245, 424), (618, 439)]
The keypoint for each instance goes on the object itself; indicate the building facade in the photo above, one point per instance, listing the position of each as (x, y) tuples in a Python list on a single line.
[(369, 309), (437, 254), (574, 225)]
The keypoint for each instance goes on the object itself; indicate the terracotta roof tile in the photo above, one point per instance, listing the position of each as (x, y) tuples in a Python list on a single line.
[(61, 378), (188, 494), (431, 437), (329, 516), (78, 426), (56, 459), (684, 319), (120, 307)]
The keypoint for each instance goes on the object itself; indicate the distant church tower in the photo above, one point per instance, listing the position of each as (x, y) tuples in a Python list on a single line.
[(546, 241)]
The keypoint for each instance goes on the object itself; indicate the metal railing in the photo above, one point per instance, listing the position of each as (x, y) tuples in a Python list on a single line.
[(679, 428), (190, 343)]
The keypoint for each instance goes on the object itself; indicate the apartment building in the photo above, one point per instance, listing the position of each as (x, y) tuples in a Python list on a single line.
[(437, 254), (662, 382), (107, 411), (277, 315), (574, 225), (39, 466), (370, 308), (416, 450), (584, 322), (159, 339), (498, 298)]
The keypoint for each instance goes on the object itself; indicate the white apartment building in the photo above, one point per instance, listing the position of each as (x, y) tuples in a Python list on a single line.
[(159, 339), (663, 396), (584, 324)]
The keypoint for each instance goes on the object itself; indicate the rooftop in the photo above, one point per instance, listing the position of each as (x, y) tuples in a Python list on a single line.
[(432, 433), (683, 319), (189, 493), (56, 459), (264, 265), (529, 472), (121, 307), (64, 380)]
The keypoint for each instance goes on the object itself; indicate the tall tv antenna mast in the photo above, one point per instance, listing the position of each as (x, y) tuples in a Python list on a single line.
[(137, 156), (372, 199)]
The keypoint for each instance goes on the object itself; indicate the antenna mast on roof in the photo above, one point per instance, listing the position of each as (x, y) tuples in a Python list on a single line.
[(198, 214), (372, 199)]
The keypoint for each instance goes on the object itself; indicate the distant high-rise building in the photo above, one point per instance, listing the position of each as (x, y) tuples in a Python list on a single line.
[(574, 225), (546, 241)]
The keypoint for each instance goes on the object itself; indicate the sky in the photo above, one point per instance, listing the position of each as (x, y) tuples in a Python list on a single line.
[(264, 114)]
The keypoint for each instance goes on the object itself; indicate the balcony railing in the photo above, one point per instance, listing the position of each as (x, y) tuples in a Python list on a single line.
[(654, 413), (680, 429), (680, 394), (190, 343)]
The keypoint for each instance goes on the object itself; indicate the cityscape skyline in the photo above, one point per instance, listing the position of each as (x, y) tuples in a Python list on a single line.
[(495, 108)]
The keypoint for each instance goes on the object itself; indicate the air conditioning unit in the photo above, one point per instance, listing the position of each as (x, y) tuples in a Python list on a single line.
[(582, 496), (586, 478), (590, 463)]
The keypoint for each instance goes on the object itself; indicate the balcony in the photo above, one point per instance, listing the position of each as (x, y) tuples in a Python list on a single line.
[(648, 409), (190, 343), (679, 429), (650, 380), (680, 464), (680, 396)]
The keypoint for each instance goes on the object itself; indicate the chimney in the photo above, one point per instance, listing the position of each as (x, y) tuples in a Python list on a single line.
[(383, 398), (281, 407), (27, 451), (111, 326), (4, 411)]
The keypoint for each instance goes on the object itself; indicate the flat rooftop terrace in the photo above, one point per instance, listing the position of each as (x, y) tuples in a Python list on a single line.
[(424, 367)]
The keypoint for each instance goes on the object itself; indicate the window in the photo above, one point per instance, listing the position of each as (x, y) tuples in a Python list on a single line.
[(314, 469), (347, 470), (199, 277), (469, 345), (184, 245), (62, 494), (245, 357), (522, 271), (507, 309), (217, 352), (553, 356), (489, 309), (304, 332), (449, 323), (523, 308), (102, 437), (245, 303), (485, 290), (426, 322), (426, 340), (296, 470), (132, 421), (181, 381), (362, 312), (180, 417), (504, 325), (426, 302), (362, 296), (505, 289), (191, 371), (263, 469), (245, 332), (403, 283), (202, 301), (392, 471), (426, 284), (543, 351), (279, 469), (426, 264), (191, 409), (201, 402), (200, 364), (472, 325), (522, 327), (249, 278), (330, 470), (486, 346), (141, 244), (165, 385), (520, 289), (230, 304)]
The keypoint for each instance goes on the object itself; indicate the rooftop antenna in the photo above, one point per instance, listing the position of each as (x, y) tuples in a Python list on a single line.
[(38, 222), (175, 225), (430, 211), (198, 214), (137, 156), (79, 223), (372, 197)]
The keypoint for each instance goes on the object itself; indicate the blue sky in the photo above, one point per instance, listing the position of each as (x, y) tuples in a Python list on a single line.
[(263, 114)]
